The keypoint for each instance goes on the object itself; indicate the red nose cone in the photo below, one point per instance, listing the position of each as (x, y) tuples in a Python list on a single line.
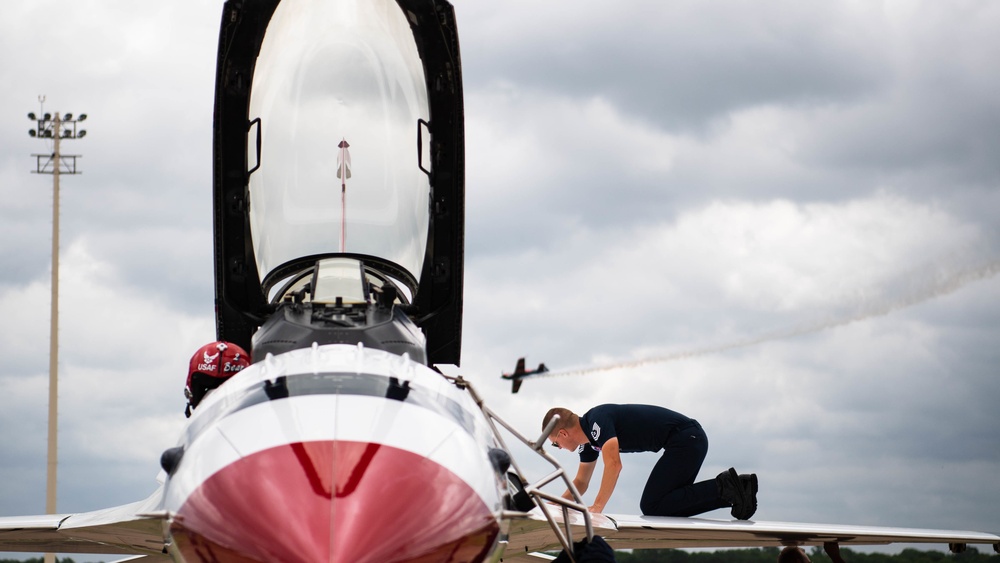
[(338, 502)]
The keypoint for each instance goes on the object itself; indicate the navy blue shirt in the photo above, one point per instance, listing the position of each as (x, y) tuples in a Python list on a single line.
[(639, 428)]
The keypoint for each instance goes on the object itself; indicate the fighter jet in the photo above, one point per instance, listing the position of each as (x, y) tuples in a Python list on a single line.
[(519, 373), (343, 442)]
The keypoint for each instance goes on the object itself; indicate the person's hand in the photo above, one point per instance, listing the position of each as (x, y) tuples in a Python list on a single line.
[(596, 509), (832, 549)]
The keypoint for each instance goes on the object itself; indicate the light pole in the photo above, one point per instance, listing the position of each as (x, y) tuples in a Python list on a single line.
[(55, 128)]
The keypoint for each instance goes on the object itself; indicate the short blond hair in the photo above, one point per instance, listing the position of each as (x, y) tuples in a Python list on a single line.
[(567, 419)]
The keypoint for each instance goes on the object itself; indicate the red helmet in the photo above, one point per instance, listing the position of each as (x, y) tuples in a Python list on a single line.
[(210, 366)]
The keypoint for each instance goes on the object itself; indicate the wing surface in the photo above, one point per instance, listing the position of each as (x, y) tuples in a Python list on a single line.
[(622, 531), (133, 529)]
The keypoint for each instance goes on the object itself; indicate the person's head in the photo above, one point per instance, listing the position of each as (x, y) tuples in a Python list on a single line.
[(793, 554), (566, 434), (210, 367)]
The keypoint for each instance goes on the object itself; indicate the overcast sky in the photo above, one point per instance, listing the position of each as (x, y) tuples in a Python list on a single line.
[(792, 204)]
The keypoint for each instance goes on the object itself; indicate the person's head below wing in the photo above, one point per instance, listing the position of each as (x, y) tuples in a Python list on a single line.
[(210, 367), (793, 554)]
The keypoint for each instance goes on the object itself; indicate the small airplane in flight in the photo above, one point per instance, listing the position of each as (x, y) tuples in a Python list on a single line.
[(343, 441), (519, 374)]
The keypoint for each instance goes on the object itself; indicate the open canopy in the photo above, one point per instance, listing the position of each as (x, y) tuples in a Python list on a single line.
[(339, 132), (339, 98)]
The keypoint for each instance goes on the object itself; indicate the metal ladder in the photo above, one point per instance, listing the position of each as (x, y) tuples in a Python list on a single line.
[(540, 498)]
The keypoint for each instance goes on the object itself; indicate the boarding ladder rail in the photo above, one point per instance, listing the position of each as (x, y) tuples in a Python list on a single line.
[(539, 497)]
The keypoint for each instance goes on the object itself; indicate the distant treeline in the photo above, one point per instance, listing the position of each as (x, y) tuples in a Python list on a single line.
[(816, 554), (763, 555)]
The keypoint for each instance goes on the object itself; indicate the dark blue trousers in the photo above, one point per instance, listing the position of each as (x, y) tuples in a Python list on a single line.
[(670, 489)]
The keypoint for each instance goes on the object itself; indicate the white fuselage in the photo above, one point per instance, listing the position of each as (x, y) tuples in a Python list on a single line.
[(336, 453)]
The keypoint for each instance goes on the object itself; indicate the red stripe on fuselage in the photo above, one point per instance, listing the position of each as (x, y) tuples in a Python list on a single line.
[(334, 501)]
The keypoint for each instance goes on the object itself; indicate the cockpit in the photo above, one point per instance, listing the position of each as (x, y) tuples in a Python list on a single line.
[(341, 280)]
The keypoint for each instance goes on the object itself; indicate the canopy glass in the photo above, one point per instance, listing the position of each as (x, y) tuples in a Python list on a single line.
[(339, 92)]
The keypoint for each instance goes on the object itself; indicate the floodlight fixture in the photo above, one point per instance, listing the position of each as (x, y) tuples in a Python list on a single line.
[(81, 134), (83, 117), (32, 133), (32, 117), (67, 117), (47, 117)]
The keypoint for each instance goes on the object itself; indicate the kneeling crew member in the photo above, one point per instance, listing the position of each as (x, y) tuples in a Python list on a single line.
[(670, 489)]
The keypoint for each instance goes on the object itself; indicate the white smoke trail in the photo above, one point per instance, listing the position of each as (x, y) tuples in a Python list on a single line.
[(939, 284)]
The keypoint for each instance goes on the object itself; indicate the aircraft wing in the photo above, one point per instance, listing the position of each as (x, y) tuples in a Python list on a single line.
[(133, 529), (533, 534)]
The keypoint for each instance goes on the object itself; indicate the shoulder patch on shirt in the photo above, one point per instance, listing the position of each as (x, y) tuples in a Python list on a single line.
[(596, 431)]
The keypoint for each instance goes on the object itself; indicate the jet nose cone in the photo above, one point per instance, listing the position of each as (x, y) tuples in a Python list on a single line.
[(334, 501)]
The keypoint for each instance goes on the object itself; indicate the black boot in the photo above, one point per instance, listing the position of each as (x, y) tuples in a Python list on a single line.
[(740, 496), (749, 483)]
